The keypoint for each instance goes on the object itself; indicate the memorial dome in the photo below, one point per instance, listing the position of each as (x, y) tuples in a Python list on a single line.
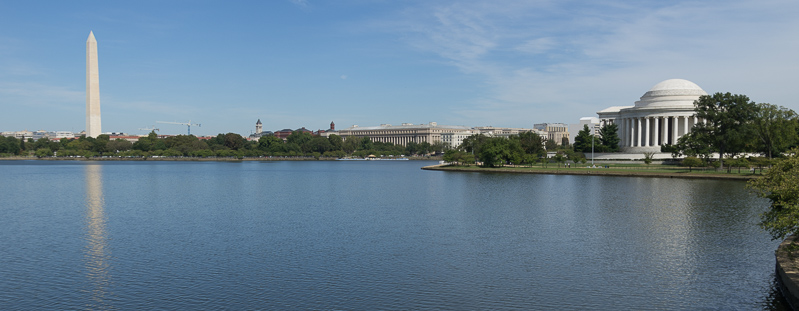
[(671, 93)]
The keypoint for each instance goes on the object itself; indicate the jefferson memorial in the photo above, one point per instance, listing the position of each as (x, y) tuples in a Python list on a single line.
[(664, 114)]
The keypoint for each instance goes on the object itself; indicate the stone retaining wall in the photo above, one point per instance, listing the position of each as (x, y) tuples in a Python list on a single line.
[(787, 272)]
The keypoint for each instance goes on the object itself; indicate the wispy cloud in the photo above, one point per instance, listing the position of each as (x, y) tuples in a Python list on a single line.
[(33, 95), (302, 3), (536, 55)]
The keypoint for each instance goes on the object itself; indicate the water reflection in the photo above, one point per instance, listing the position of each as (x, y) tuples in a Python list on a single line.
[(97, 255)]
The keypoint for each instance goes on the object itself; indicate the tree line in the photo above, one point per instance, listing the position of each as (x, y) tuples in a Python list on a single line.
[(528, 148), (732, 126), (223, 145)]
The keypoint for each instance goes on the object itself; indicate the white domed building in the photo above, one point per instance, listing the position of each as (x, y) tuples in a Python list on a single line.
[(663, 115)]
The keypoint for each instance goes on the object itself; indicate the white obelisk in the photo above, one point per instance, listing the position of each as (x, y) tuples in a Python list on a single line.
[(92, 89)]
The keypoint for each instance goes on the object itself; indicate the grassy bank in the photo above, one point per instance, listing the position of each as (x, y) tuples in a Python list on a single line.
[(632, 170)]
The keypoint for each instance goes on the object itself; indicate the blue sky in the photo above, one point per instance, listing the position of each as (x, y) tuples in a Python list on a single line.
[(304, 63)]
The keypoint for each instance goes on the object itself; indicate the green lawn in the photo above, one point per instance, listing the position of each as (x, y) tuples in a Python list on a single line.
[(632, 169)]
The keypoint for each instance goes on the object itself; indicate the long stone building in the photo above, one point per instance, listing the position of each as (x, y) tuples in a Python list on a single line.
[(662, 115), (401, 134)]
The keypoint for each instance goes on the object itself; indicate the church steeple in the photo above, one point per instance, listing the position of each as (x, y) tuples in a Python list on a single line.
[(258, 127)]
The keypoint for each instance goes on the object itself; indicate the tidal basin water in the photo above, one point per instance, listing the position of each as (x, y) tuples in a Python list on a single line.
[(358, 235)]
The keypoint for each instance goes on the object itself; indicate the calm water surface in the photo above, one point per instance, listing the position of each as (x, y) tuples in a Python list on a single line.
[(373, 235)]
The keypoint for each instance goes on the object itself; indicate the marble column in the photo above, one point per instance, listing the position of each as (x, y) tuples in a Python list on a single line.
[(629, 132), (685, 126), (657, 132), (638, 132), (647, 131), (674, 127)]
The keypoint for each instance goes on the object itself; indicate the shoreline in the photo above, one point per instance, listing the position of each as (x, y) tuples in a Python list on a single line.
[(191, 159), (590, 172), (787, 272)]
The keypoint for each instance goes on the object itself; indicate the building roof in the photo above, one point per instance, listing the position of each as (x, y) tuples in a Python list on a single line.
[(613, 109), (671, 94), (407, 126), (679, 85)]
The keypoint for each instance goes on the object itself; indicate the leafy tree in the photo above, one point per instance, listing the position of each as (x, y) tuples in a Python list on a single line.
[(43, 152), (550, 144), (609, 136), (473, 143), (235, 141), (9, 145), (438, 147), (151, 142), (99, 144), (320, 144), (424, 147), (270, 143), (532, 144), (691, 162), (366, 144), (336, 143), (673, 149), (583, 140), (692, 145), (117, 145), (560, 158), (781, 186), (775, 128), (760, 162), (648, 156), (736, 162), (185, 144), (727, 127), (452, 155), (494, 151), (351, 143)]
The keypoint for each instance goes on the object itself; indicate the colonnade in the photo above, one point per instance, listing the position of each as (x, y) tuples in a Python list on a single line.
[(394, 139), (653, 131)]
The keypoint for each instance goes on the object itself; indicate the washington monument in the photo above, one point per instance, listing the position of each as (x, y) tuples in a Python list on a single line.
[(92, 89)]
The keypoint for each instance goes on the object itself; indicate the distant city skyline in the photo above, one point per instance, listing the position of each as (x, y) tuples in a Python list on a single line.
[(305, 63)]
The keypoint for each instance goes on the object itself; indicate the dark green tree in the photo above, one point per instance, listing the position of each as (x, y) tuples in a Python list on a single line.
[(532, 144), (100, 143), (550, 145), (583, 140), (775, 128), (366, 144), (235, 141), (185, 144), (351, 144), (728, 123), (270, 144), (117, 145), (494, 151), (320, 144), (300, 138), (781, 186), (9, 145), (336, 143), (691, 162), (609, 136), (151, 142), (473, 143)]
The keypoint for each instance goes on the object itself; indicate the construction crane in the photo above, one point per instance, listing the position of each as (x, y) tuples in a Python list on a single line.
[(188, 124)]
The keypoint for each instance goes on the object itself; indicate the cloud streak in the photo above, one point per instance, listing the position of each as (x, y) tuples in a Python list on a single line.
[(536, 56)]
